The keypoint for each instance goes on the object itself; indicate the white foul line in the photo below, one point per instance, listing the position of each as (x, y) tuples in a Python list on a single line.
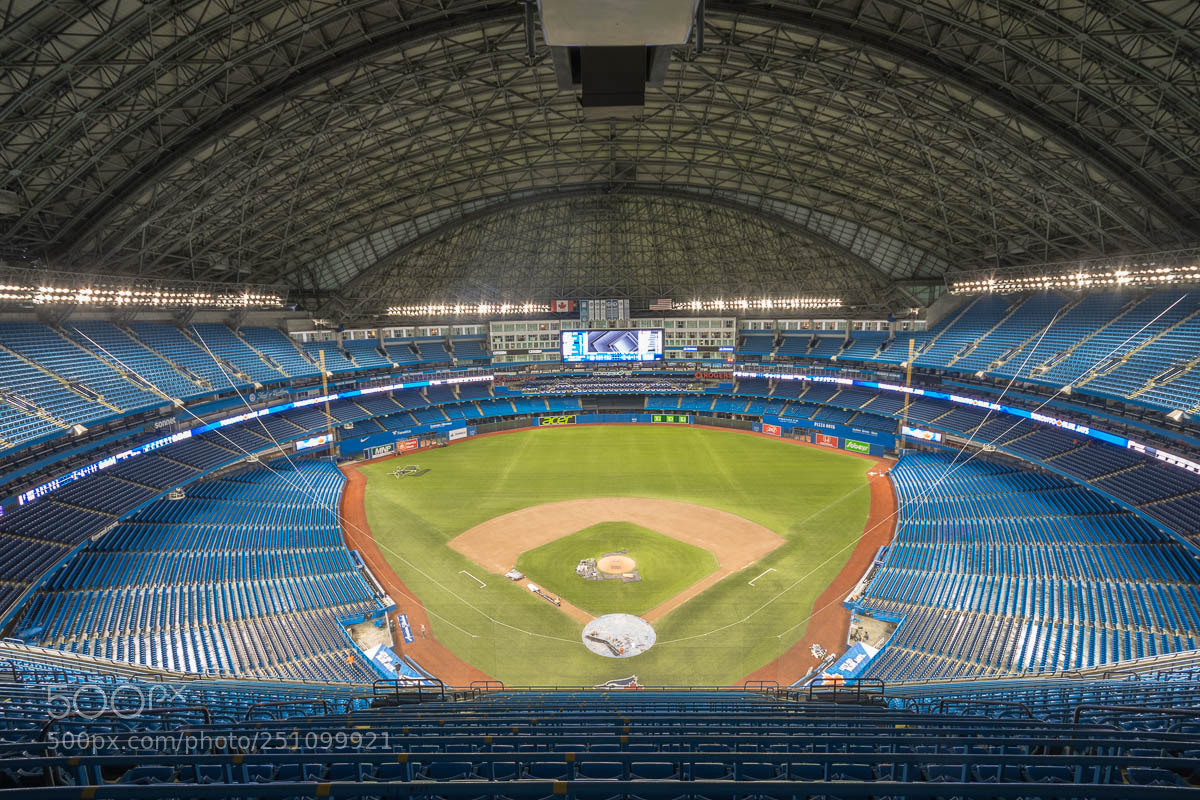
[(472, 577), (764, 572)]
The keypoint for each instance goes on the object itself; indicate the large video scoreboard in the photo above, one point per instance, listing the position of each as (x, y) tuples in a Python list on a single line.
[(642, 344)]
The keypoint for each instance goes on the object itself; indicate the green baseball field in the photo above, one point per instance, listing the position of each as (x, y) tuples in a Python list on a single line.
[(712, 628)]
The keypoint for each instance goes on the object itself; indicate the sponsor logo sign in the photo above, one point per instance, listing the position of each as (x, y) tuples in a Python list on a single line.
[(917, 433), (408, 444), (858, 447), (385, 450), (457, 433), (406, 629), (772, 430), (827, 440), (316, 441)]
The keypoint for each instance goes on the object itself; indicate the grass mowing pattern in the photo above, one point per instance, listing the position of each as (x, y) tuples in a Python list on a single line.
[(816, 499), (667, 566)]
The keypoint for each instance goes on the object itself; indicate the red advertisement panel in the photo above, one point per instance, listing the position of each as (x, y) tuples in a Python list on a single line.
[(408, 444), (772, 430), (827, 440)]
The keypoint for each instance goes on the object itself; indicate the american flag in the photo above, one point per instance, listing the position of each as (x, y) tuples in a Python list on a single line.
[(661, 304)]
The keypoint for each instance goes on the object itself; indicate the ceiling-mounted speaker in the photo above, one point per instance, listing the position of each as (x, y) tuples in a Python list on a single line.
[(613, 79), (612, 50)]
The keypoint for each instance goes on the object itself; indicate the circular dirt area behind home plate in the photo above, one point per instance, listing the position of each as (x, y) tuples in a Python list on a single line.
[(616, 565)]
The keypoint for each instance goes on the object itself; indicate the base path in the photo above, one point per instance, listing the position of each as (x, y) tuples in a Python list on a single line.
[(735, 541), (427, 651), (829, 624)]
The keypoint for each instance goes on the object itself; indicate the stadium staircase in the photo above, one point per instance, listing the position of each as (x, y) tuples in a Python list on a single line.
[(212, 348), (923, 340), (1121, 360), (70, 386), (974, 343), (1026, 332), (996, 571), (247, 575), (1064, 355), (232, 739)]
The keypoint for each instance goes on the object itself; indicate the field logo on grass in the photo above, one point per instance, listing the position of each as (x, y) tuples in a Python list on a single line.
[(858, 447), (406, 629), (827, 440), (772, 430)]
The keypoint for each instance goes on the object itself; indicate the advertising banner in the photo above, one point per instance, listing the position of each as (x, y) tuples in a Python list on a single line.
[(858, 447), (456, 433), (772, 430), (408, 444), (316, 441), (918, 433), (406, 629), (385, 450), (854, 663), (826, 439)]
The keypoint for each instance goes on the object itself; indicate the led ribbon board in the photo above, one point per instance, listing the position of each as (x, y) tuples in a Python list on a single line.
[(316, 441), (1083, 430), (37, 492)]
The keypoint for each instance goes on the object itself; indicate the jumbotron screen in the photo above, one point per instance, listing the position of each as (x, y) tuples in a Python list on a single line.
[(645, 344)]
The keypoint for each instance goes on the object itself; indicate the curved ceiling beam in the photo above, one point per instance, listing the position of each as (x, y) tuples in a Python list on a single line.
[(1041, 118), (140, 180), (554, 195), (1151, 194), (886, 254)]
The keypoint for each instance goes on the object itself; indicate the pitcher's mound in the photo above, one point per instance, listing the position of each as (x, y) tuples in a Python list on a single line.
[(615, 565)]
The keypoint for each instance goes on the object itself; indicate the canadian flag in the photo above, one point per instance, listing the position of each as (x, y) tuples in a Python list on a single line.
[(562, 306)]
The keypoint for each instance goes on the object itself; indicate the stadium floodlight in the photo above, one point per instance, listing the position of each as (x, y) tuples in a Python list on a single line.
[(432, 310), (52, 288), (766, 304), (1133, 271)]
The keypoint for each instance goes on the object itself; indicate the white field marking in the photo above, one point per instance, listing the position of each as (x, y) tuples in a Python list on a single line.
[(759, 575), (472, 577)]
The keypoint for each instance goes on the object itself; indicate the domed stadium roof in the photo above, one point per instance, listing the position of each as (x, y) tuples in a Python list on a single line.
[(315, 143), (626, 244)]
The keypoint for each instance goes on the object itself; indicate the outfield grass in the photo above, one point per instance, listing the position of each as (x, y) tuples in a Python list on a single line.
[(667, 567), (816, 499)]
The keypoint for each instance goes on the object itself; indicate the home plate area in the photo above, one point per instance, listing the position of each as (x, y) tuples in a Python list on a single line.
[(618, 635)]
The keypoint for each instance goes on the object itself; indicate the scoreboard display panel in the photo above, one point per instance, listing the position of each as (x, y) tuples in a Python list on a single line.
[(643, 344)]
